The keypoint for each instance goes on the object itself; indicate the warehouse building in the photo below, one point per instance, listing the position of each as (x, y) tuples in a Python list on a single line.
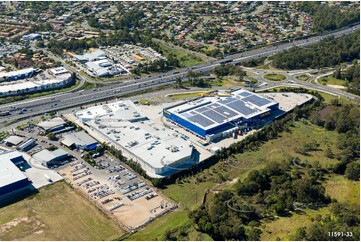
[(51, 158), (217, 116), (104, 68), (159, 150), (11, 178), (80, 140)]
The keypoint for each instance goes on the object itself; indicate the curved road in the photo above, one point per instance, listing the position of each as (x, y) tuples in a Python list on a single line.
[(33, 107)]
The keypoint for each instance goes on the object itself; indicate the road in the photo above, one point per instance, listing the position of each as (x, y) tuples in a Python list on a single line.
[(33, 107)]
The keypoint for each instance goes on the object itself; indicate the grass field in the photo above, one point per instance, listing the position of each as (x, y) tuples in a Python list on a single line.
[(57, 212), (284, 228), (330, 80), (190, 193), (185, 59), (157, 229), (275, 77), (342, 189), (303, 77), (337, 187)]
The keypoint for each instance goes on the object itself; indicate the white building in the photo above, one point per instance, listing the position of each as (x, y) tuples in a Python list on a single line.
[(159, 150), (91, 56), (31, 86), (17, 75)]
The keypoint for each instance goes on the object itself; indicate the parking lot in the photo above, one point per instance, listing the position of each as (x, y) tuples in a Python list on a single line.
[(117, 190)]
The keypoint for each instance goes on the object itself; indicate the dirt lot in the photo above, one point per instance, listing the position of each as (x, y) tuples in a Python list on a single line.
[(57, 212)]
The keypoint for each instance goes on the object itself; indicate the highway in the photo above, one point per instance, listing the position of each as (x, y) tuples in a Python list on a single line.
[(33, 107)]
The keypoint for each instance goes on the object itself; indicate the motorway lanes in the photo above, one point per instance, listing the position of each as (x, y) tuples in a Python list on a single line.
[(70, 99)]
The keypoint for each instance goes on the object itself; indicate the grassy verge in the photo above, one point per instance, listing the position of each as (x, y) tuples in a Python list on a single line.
[(57, 212), (328, 97), (275, 77), (303, 77), (156, 230), (185, 95), (110, 79), (88, 85), (3, 134), (224, 83)]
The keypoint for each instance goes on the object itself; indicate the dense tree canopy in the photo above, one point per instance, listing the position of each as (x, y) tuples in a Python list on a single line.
[(327, 18), (266, 192), (327, 53)]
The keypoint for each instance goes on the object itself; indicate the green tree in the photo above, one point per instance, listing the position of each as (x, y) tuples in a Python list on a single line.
[(352, 171), (51, 136)]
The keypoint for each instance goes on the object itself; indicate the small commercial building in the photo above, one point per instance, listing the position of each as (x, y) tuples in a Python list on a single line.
[(51, 158), (51, 125), (31, 37), (58, 71), (13, 140), (27, 145), (79, 140), (11, 178)]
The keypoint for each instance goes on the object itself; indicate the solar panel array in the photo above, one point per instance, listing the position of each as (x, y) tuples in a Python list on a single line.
[(241, 107), (244, 94), (214, 116), (224, 109), (201, 110), (256, 100), (203, 121)]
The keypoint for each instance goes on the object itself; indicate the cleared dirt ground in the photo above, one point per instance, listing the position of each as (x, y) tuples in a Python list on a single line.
[(57, 212)]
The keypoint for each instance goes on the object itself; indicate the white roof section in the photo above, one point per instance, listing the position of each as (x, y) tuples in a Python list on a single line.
[(51, 123), (96, 54), (120, 110), (16, 73), (124, 125), (58, 71), (209, 112), (46, 155), (78, 138), (14, 139), (33, 84), (9, 173)]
